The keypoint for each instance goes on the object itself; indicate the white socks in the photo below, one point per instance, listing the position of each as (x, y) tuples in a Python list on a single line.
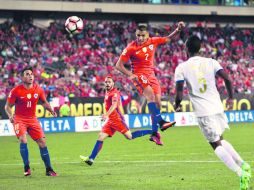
[(229, 148), (228, 160)]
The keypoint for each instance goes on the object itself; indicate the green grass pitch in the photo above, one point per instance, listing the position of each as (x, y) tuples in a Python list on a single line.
[(185, 162)]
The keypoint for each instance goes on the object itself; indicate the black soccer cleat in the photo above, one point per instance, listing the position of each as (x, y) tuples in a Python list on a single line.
[(87, 160)]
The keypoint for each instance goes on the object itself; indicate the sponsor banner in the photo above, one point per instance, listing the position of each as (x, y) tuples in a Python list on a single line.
[(6, 128), (240, 116), (144, 120), (189, 118), (86, 106), (137, 105), (58, 124), (185, 119), (92, 123), (49, 125)]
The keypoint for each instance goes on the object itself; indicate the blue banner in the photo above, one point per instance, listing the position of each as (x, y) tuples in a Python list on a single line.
[(60, 124), (240, 116), (144, 120)]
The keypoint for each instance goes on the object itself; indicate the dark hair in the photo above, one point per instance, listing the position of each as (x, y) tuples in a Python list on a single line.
[(25, 69), (142, 27), (193, 44)]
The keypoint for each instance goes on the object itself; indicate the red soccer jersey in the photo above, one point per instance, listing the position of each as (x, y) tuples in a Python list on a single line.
[(110, 97), (142, 56), (25, 100)]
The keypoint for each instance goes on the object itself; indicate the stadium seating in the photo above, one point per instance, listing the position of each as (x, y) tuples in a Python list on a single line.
[(76, 66)]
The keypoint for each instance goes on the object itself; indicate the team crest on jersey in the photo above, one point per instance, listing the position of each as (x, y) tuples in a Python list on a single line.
[(29, 96), (35, 95), (144, 49), (137, 52), (106, 97), (151, 47)]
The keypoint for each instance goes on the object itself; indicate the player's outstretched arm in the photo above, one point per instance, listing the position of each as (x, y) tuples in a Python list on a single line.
[(179, 95), (179, 28), (221, 73), (8, 111)]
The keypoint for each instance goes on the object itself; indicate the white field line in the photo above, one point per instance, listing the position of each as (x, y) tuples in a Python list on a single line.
[(130, 161), (170, 154)]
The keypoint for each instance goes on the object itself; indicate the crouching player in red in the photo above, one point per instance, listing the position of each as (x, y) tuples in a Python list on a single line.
[(25, 97), (114, 121)]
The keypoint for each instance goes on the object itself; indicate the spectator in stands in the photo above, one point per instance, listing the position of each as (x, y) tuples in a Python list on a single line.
[(75, 66)]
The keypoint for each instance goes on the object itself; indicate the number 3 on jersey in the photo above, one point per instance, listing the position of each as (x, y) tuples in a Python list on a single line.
[(29, 104), (202, 82)]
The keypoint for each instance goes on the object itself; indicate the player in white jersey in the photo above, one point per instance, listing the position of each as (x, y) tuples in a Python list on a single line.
[(199, 74)]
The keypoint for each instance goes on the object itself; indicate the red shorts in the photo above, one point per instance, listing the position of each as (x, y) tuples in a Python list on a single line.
[(145, 80), (117, 125), (31, 126)]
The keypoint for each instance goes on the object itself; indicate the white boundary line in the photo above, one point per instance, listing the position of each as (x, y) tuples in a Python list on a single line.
[(129, 161)]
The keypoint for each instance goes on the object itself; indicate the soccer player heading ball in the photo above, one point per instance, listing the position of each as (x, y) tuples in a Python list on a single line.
[(114, 121), (199, 74), (25, 97), (141, 54)]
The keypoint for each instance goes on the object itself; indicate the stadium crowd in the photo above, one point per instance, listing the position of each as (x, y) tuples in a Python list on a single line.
[(76, 65)]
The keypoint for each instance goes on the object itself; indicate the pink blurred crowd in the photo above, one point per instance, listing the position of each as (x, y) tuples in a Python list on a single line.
[(75, 66)]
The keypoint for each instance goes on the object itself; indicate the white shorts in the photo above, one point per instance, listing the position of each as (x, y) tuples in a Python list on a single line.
[(213, 126)]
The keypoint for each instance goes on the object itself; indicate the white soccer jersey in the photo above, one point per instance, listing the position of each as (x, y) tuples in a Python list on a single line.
[(199, 74)]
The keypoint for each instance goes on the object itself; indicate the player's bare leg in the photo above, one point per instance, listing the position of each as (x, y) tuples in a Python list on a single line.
[(128, 135), (45, 157), (24, 154), (89, 160)]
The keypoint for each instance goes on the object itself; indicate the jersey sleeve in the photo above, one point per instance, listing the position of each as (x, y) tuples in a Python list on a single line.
[(126, 54), (216, 66), (12, 96), (159, 40), (42, 96), (115, 97), (179, 75)]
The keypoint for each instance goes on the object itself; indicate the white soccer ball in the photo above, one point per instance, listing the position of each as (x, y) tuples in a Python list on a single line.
[(74, 25)]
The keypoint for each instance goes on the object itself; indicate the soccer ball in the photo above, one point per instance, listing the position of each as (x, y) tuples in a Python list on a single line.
[(74, 25)]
